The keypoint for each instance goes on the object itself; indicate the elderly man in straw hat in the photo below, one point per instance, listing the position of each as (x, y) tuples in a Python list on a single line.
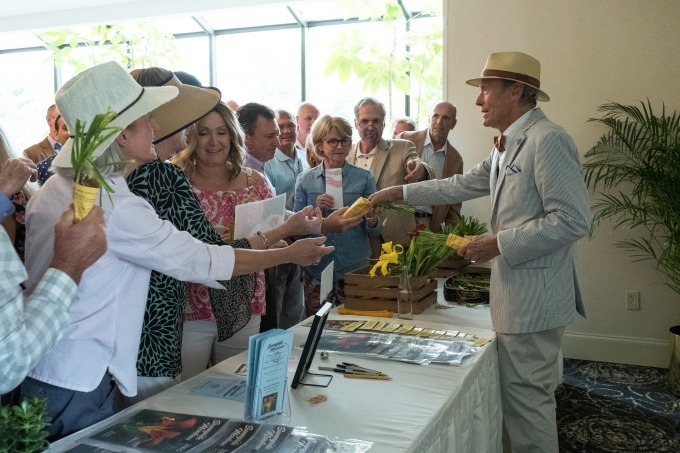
[(540, 208), (96, 356)]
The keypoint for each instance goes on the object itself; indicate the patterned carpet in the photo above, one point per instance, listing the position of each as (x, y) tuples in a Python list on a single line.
[(607, 407)]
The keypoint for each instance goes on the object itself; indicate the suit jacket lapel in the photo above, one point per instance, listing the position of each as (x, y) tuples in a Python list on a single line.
[(379, 160), (512, 149)]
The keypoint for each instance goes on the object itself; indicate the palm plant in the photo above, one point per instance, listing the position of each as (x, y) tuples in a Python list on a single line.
[(636, 166)]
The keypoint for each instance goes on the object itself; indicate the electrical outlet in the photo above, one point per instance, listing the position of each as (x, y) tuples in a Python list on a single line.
[(633, 300)]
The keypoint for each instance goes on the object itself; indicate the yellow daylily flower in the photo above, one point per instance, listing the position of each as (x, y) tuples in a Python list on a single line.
[(389, 255)]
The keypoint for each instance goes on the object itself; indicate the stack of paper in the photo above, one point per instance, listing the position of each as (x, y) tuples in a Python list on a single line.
[(268, 355)]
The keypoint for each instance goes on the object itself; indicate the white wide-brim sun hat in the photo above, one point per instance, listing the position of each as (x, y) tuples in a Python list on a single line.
[(98, 90)]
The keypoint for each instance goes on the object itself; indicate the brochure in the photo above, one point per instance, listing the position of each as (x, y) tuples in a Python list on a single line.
[(268, 355), (150, 430), (260, 215), (231, 389), (334, 187)]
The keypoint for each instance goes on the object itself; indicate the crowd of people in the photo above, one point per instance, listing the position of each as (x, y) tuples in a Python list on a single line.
[(152, 287)]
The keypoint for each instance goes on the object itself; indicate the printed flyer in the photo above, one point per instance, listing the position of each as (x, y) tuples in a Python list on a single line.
[(151, 431), (268, 355)]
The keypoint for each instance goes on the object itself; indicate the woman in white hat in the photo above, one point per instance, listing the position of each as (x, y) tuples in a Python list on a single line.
[(159, 363), (96, 356)]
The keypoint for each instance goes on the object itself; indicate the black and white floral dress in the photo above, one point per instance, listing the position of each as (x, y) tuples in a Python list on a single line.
[(168, 190)]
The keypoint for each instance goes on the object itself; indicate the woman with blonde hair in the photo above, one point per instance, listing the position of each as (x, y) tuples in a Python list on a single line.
[(331, 138), (214, 162)]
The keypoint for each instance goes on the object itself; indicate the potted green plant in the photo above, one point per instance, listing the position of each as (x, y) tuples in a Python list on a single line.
[(22, 426), (635, 169)]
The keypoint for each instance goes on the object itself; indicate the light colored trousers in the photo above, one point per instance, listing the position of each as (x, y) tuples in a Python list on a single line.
[(529, 372), (200, 345)]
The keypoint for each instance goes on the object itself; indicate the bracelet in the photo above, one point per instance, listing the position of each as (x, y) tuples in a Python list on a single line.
[(264, 239)]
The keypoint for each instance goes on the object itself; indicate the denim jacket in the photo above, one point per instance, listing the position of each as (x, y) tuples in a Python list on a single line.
[(352, 248)]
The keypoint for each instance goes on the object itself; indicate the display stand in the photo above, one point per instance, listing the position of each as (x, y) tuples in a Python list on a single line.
[(281, 417), (310, 349)]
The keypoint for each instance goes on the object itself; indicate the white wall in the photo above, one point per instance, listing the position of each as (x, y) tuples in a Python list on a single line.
[(591, 52)]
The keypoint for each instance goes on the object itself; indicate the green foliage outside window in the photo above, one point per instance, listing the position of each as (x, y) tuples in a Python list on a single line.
[(412, 66), (133, 45)]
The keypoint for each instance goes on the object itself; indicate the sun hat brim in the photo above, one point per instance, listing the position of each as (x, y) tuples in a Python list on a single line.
[(191, 104), (151, 98)]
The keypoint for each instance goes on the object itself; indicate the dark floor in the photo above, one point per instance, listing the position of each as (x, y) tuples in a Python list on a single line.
[(607, 407)]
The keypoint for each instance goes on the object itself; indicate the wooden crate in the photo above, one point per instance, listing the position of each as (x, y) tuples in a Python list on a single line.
[(363, 292), (449, 266)]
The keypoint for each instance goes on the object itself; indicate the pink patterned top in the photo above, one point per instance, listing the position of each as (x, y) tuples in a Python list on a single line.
[(220, 208)]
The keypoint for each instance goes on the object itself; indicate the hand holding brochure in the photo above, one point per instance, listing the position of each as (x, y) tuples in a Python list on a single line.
[(268, 355), (259, 215)]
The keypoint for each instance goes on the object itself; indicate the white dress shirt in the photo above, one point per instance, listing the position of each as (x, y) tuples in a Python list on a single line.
[(107, 315)]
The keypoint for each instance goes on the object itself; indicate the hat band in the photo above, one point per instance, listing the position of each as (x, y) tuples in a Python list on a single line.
[(131, 103), (512, 75)]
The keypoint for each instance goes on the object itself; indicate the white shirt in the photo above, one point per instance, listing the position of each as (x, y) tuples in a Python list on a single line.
[(107, 314), (435, 158)]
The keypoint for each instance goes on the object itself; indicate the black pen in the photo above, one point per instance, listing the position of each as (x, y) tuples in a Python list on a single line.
[(350, 371), (354, 366)]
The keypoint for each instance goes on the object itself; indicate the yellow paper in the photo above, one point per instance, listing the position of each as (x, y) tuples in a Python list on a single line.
[(360, 207), (83, 200), (456, 242), (406, 328)]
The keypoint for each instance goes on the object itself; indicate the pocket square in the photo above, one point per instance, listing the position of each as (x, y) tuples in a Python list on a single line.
[(511, 170)]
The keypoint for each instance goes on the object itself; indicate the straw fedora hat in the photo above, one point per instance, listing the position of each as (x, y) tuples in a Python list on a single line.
[(191, 104), (99, 89), (515, 66)]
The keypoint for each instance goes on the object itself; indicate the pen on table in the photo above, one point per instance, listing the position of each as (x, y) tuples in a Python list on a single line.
[(382, 377), (350, 368), (350, 371), (353, 366)]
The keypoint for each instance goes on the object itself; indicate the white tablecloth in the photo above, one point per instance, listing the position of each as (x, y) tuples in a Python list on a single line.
[(433, 408)]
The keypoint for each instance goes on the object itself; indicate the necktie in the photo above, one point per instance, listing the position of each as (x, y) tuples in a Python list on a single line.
[(499, 143), (57, 146)]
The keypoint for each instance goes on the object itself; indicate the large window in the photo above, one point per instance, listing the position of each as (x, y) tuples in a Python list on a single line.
[(260, 67), (194, 58), (331, 94), (26, 91), (275, 54)]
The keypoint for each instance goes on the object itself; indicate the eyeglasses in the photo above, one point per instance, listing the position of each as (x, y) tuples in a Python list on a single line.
[(333, 143), (375, 123)]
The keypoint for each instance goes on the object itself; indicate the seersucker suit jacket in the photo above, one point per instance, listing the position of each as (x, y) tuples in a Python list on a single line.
[(539, 209), (389, 169), (453, 164)]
